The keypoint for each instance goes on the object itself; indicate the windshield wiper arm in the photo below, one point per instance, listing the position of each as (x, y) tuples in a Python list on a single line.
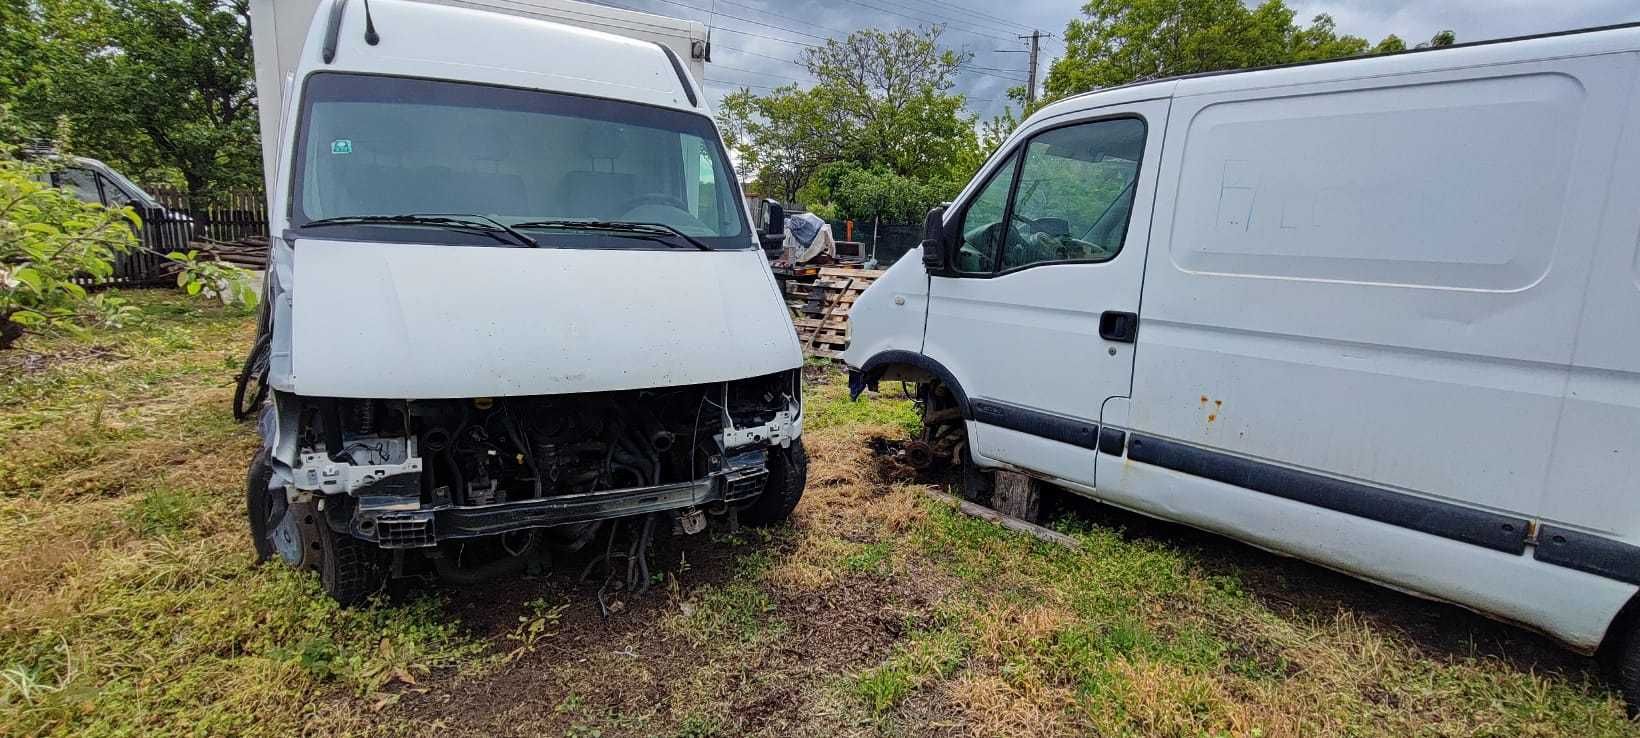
[(474, 223), (655, 231)]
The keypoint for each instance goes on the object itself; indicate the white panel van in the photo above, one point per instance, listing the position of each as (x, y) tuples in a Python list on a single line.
[(1378, 313), (515, 306)]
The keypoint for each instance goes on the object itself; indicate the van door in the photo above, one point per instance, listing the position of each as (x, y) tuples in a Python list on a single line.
[(1038, 321)]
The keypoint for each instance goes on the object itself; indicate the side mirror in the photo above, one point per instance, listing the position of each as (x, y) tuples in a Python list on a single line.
[(934, 251), (771, 223)]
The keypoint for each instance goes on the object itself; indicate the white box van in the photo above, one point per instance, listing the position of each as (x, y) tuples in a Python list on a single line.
[(1382, 314), (513, 297)]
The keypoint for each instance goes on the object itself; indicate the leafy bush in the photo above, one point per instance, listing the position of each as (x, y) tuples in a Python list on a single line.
[(49, 239)]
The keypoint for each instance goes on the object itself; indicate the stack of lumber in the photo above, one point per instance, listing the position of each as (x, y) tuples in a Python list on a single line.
[(820, 308), (250, 252)]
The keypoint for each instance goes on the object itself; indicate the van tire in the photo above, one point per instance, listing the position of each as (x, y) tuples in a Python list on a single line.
[(1625, 669), (975, 484), (257, 477), (350, 570), (788, 474)]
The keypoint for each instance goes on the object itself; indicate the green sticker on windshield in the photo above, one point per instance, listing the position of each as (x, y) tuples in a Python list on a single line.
[(341, 146)]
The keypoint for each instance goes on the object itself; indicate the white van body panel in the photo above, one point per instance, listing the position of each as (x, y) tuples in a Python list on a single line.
[(1387, 324), (390, 320), (898, 309)]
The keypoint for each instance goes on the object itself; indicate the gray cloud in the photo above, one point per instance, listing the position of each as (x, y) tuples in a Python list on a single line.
[(758, 48)]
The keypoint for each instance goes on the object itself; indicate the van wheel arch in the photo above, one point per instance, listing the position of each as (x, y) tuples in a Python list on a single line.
[(907, 366), (1621, 636)]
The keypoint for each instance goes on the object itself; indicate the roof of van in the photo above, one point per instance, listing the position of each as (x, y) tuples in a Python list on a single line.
[(417, 39), (1581, 42)]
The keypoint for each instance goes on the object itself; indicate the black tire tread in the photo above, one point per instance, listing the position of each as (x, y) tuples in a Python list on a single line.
[(1626, 670), (788, 475), (257, 476), (350, 570)]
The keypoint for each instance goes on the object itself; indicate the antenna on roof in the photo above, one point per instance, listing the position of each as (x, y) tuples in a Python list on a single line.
[(370, 35), (710, 19)]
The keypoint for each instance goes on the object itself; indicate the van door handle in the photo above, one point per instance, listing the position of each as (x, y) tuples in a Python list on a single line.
[(1118, 326)]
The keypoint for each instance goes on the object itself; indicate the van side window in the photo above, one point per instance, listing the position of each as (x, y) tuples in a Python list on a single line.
[(1075, 193), (982, 227), (81, 182), (116, 197)]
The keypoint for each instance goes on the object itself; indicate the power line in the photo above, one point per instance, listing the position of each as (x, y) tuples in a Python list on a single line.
[(731, 16), (763, 74), (757, 53), (995, 69), (736, 85), (977, 14), (962, 26), (982, 71), (771, 38), (924, 19), (756, 9)]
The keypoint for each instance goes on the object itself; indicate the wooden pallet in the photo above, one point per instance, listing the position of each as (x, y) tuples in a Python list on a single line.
[(820, 308)]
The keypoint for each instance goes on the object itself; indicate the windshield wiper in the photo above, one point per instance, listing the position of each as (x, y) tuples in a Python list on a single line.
[(460, 221), (652, 231)]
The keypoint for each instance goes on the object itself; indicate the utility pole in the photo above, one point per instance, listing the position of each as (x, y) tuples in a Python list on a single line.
[(1030, 87)]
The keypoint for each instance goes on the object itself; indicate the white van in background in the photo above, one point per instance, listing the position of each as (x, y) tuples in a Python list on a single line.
[(1382, 314), (514, 303)]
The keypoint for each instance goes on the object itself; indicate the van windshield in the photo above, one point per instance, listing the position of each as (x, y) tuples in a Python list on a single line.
[(370, 148)]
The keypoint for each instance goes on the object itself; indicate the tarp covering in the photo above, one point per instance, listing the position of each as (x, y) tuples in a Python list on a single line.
[(808, 237)]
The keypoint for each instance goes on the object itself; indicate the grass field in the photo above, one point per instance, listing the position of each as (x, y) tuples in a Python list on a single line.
[(132, 606)]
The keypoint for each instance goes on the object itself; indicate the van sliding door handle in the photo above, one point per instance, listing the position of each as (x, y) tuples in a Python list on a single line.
[(1118, 326)]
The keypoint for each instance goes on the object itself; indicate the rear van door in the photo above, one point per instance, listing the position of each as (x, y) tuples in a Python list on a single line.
[(1038, 321)]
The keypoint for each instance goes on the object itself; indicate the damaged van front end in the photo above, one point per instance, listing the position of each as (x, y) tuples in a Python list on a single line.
[(509, 311)]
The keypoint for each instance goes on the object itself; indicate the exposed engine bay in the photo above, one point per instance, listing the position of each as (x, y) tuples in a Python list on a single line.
[(521, 473)]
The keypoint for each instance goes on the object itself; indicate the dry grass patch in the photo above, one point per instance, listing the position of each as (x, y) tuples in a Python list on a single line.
[(132, 606)]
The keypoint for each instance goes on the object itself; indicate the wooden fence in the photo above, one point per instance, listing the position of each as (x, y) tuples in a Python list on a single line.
[(228, 216)]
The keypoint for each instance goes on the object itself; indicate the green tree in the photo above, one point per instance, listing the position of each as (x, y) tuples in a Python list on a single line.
[(865, 194), (1123, 41), (1390, 45), (161, 89), (1443, 38), (882, 101), (781, 137)]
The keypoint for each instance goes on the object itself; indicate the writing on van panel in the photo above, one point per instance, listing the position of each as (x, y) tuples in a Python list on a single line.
[(1458, 184)]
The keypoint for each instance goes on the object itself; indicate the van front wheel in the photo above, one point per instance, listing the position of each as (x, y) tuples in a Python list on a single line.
[(350, 569), (788, 474)]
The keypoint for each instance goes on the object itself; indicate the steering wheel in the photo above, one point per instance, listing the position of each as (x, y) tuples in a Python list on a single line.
[(654, 198)]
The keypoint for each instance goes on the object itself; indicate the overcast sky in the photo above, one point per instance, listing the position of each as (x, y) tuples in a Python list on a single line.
[(755, 42)]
